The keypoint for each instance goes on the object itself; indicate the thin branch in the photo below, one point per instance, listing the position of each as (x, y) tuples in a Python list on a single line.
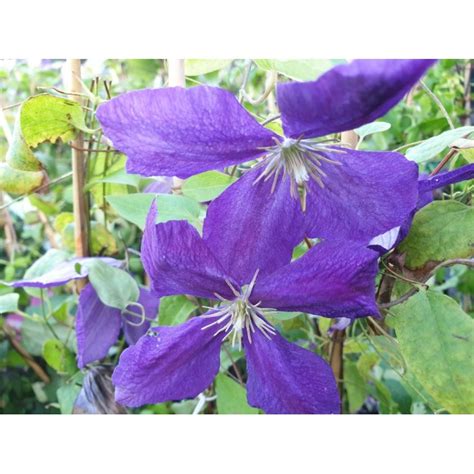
[(441, 164), (270, 119), (455, 261), (37, 369), (39, 188), (268, 89), (8, 107), (234, 365), (440, 105), (59, 91)]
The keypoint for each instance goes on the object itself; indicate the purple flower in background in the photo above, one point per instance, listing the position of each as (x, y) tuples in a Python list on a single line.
[(333, 279), (97, 325), (64, 272), (426, 186), (349, 194), (161, 185)]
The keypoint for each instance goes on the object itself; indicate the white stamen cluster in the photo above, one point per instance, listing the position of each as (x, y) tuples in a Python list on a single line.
[(299, 159), (233, 316)]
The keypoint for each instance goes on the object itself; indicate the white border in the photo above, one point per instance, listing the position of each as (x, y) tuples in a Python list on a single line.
[(236, 28), (236, 444)]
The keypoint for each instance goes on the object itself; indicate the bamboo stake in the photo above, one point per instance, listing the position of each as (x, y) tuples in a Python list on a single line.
[(336, 359), (176, 78), (81, 211)]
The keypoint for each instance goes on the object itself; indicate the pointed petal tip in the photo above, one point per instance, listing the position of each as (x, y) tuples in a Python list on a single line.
[(347, 96), (175, 363), (284, 378)]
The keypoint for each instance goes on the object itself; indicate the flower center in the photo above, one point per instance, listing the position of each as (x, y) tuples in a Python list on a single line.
[(233, 316), (300, 160)]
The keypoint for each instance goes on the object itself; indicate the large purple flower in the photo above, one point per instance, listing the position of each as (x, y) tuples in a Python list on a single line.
[(245, 273), (348, 194)]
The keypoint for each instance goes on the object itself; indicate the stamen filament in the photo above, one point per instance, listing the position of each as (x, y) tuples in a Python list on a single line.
[(301, 160), (234, 316)]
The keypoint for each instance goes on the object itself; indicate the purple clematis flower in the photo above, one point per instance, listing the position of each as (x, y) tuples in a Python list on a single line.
[(347, 194), (97, 325), (244, 276)]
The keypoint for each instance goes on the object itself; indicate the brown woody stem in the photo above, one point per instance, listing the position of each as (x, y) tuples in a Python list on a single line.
[(81, 211)]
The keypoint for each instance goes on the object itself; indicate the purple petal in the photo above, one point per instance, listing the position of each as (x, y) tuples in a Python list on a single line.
[(285, 378), (366, 195), (162, 185), (64, 272), (450, 177), (347, 96), (151, 304), (178, 261), (426, 186), (248, 227), (339, 325), (333, 279), (170, 363), (181, 132), (97, 327)]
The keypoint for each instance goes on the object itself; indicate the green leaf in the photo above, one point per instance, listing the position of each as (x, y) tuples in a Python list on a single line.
[(206, 186), (196, 67), (436, 339), (135, 207), (62, 220), (142, 71), (465, 147), (231, 397), (41, 118), (44, 264), (132, 207), (117, 177), (59, 357), (104, 168), (9, 303), (49, 118), (101, 240), (67, 395), (440, 231), (114, 287), (175, 310), (14, 181), (48, 208), (430, 148), (370, 128), (355, 385), (35, 333), (172, 207), (299, 69)]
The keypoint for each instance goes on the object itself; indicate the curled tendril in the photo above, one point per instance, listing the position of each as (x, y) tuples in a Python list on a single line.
[(142, 316)]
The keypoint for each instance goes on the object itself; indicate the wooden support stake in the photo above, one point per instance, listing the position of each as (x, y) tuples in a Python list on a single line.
[(81, 211)]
